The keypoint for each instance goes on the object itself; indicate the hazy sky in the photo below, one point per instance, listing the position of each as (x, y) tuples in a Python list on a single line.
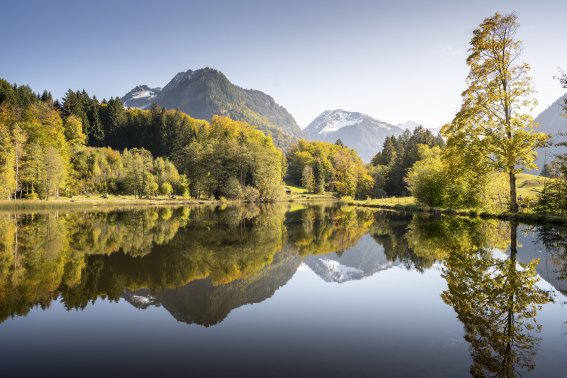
[(395, 60)]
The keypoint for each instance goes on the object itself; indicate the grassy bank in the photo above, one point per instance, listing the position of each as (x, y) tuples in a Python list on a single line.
[(93, 201), (520, 217), (297, 195)]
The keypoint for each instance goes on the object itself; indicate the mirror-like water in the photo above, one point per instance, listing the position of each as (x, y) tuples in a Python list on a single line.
[(279, 291)]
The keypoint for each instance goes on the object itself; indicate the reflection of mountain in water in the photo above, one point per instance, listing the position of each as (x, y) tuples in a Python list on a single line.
[(550, 265), (203, 303), (360, 261)]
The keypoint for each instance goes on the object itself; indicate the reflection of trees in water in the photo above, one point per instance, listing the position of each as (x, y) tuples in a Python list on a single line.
[(555, 241), (497, 300), (418, 242), (86, 255), (322, 230), (222, 246), (41, 253)]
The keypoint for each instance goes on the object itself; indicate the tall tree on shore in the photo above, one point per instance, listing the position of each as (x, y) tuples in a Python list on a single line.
[(493, 127)]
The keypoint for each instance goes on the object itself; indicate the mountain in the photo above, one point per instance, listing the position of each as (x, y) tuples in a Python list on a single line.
[(207, 92), (358, 131), (552, 122), (356, 263)]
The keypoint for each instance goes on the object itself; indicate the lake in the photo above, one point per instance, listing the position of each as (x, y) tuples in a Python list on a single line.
[(286, 290)]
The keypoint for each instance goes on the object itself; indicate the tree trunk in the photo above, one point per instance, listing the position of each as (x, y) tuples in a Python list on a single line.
[(17, 161), (513, 200)]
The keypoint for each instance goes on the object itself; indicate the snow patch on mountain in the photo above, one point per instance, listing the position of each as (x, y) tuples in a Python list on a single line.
[(337, 272), (141, 97), (333, 120), (338, 119), (358, 131)]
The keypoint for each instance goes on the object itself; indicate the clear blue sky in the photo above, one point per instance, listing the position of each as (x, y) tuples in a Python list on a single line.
[(395, 60)]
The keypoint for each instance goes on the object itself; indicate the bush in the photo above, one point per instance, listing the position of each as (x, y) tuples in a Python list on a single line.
[(233, 189), (251, 194), (166, 189), (427, 180), (553, 197)]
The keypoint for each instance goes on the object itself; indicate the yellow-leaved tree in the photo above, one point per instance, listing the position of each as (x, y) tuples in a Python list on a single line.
[(493, 129)]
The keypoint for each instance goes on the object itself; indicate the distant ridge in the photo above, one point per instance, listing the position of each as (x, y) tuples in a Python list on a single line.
[(552, 122)]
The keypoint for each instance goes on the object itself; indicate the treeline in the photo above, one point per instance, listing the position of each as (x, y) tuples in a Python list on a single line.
[(83, 146), (43, 154), (321, 166)]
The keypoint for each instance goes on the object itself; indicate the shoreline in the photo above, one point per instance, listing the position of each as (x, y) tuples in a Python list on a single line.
[(532, 218), (125, 201)]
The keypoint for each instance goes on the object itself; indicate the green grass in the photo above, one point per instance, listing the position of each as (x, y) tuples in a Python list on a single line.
[(392, 201), (296, 189)]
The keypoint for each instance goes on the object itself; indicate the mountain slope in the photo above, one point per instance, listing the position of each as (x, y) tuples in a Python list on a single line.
[(207, 92), (356, 130), (552, 122)]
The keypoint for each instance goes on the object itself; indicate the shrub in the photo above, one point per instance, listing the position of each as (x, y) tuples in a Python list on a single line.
[(166, 189), (251, 194), (233, 189)]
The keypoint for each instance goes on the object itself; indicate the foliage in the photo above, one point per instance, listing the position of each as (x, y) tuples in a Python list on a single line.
[(229, 150), (308, 179), (397, 156), (553, 197), (427, 179), (334, 167), (432, 183)]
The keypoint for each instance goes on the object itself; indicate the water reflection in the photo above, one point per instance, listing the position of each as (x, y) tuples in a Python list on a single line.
[(497, 300), (201, 263)]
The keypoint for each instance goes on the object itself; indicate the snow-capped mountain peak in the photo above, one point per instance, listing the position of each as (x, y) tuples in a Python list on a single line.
[(356, 130), (140, 97), (333, 120)]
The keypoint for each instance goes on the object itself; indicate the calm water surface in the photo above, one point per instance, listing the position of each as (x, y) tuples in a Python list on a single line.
[(279, 291)]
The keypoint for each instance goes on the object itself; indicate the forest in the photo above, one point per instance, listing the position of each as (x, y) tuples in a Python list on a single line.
[(82, 146)]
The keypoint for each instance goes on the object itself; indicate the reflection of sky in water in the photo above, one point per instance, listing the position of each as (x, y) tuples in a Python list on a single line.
[(390, 322)]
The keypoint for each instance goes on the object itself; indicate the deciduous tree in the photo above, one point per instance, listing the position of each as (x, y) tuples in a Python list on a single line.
[(493, 127)]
